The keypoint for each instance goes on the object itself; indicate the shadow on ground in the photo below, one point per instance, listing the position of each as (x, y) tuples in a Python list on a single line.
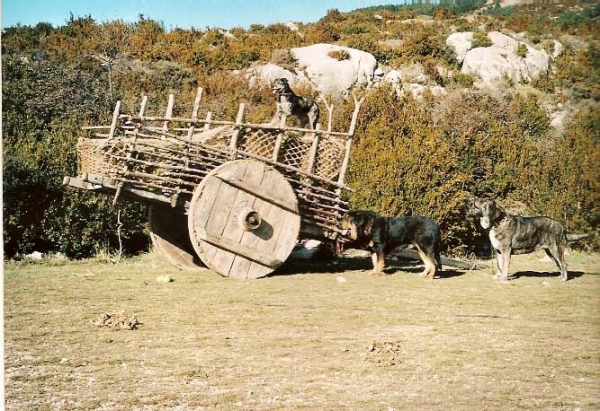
[(342, 264), (543, 274)]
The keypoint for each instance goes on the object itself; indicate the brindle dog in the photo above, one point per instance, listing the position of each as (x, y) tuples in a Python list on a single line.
[(290, 104), (513, 234)]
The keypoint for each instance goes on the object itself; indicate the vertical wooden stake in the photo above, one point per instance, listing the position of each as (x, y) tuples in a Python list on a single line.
[(113, 124), (236, 133), (208, 120), (143, 106), (279, 139), (313, 150), (357, 104), (197, 104), (169, 112), (195, 114)]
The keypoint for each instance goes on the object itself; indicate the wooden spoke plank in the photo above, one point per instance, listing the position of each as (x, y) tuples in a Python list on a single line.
[(217, 221), (233, 231), (266, 193), (240, 267), (198, 216)]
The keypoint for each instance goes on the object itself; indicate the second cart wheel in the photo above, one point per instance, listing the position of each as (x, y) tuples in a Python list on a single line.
[(243, 219), (169, 235)]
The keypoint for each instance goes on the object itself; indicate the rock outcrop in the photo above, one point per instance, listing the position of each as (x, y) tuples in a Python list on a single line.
[(500, 59), (334, 74)]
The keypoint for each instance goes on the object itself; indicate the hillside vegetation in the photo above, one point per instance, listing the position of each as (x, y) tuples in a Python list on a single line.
[(425, 156)]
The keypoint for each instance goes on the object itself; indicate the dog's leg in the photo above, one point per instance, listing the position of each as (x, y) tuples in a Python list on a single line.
[(498, 263), (426, 270), (313, 116), (312, 121), (378, 263), (505, 263), (277, 117), (432, 267), (557, 253), (438, 260)]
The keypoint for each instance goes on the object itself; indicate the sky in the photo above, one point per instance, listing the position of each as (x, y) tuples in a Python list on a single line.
[(184, 14)]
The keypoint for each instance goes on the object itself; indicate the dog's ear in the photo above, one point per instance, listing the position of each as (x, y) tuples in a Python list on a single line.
[(368, 225), (478, 203), (498, 210)]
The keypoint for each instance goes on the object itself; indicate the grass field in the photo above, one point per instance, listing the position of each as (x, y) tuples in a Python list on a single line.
[(317, 337)]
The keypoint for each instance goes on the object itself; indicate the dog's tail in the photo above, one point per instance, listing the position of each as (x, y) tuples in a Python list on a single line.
[(575, 237)]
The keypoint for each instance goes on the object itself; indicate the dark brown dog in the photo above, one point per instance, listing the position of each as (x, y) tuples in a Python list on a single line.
[(512, 234), (381, 235)]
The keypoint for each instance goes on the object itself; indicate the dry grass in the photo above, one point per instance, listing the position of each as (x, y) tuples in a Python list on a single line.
[(302, 342)]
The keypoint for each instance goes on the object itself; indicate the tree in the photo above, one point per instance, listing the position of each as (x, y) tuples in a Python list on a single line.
[(111, 45)]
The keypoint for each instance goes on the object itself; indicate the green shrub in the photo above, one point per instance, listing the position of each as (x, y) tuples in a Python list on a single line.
[(430, 157), (464, 80), (565, 180), (322, 33), (339, 55), (481, 39), (409, 156), (44, 106), (357, 29), (521, 50)]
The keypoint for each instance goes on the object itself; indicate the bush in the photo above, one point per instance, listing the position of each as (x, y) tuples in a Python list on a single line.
[(521, 50), (429, 158), (339, 55), (409, 156), (322, 33), (464, 80), (481, 39), (44, 106)]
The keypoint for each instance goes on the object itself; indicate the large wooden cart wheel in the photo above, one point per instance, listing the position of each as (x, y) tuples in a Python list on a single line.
[(169, 234), (243, 219)]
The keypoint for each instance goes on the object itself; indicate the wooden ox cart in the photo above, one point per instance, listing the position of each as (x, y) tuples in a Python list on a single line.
[(236, 196)]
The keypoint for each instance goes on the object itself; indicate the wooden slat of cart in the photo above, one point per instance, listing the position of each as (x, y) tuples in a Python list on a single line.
[(240, 267), (281, 216), (232, 230), (285, 223), (198, 217), (218, 217)]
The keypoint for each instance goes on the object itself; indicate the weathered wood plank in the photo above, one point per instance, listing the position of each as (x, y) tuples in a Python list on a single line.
[(241, 266), (234, 247), (260, 191), (232, 231), (199, 213)]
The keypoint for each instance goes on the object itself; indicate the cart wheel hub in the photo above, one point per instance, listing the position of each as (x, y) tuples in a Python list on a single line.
[(249, 220)]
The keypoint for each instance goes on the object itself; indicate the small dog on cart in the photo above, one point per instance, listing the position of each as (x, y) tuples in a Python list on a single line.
[(290, 104), (380, 235)]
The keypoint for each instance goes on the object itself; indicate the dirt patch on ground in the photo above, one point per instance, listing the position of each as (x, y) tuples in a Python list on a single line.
[(321, 336), (120, 321)]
